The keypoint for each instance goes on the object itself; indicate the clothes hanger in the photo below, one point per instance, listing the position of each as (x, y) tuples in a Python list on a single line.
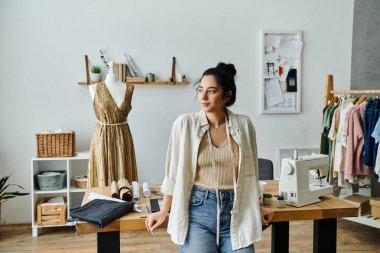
[(359, 101), (362, 99), (332, 101), (356, 101)]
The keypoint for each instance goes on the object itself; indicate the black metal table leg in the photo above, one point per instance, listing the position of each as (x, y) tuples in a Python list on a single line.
[(108, 242), (280, 237), (324, 236)]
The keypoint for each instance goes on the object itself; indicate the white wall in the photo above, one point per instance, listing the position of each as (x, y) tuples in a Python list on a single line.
[(41, 60)]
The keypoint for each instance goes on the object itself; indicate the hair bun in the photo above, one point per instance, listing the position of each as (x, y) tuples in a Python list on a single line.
[(229, 68)]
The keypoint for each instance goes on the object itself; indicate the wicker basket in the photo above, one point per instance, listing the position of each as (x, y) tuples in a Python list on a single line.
[(81, 182), (55, 144), (51, 182)]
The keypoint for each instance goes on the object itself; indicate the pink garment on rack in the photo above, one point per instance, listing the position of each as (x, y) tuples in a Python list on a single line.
[(346, 124), (354, 166)]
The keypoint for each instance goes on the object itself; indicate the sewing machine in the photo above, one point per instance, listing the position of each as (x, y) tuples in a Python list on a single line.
[(294, 179)]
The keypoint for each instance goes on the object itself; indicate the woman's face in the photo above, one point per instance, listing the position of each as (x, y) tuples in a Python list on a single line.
[(210, 95)]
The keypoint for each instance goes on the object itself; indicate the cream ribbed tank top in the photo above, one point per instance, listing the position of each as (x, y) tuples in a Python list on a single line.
[(205, 176)]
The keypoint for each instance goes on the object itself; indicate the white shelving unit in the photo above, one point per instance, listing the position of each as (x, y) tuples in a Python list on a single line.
[(366, 219), (74, 166)]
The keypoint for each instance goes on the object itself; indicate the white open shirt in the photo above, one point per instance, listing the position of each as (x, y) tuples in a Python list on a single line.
[(181, 164)]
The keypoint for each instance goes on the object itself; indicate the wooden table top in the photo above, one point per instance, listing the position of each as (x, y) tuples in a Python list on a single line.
[(329, 207)]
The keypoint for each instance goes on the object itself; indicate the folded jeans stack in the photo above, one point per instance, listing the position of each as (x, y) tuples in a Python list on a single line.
[(101, 212)]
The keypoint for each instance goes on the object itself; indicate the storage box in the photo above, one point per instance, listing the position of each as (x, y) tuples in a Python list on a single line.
[(55, 144), (375, 207), (51, 182), (51, 214), (359, 201)]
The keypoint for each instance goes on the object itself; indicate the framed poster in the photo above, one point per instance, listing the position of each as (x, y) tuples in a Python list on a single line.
[(281, 71)]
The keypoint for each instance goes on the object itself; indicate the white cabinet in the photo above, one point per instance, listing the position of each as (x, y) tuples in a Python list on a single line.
[(74, 166)]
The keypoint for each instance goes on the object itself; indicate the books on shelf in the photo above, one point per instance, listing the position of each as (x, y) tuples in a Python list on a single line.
[(136, 79), (122, 72)]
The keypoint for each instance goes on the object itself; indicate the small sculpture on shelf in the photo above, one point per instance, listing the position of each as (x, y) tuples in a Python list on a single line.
[(150, 77)]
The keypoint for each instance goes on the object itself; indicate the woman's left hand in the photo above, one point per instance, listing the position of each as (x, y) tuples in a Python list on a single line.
[(266, 215)]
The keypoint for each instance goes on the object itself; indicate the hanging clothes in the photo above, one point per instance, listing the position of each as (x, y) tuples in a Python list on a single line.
[(326, 125), (332, 136), (354, 166), (350, 135), (340, 146), (324, 142), (376, 135), (371, 116)]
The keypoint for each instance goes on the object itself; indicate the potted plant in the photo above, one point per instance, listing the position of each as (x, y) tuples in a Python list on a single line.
[(280, 200), (95, 73), (5, 195), (267, 199)]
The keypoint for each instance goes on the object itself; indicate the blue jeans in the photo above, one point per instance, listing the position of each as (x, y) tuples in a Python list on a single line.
[(201, 234), (371, 115)]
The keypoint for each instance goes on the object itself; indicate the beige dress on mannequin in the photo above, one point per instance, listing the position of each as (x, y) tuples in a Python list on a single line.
[(112, 153)]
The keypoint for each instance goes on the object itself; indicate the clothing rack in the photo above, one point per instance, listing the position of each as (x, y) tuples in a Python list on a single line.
[(375, 186), (329, 91)]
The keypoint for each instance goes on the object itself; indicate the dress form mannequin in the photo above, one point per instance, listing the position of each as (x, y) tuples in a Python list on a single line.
[(112, 153), (115, 87)]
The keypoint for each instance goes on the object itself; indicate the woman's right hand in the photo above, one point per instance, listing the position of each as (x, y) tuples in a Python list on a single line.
[(155, 220)]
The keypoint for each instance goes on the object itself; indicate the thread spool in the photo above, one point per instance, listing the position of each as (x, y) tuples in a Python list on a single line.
[(136, 191), (146, 190)]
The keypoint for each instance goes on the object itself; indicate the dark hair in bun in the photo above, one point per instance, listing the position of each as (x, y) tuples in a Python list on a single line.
[(229, 68), (224, 75)]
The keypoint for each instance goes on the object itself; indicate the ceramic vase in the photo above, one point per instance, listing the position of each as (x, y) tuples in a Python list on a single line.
[(95, 77), (267, 201), (281, 203)]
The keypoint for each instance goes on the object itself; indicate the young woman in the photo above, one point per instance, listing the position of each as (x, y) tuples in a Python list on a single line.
[(211, 180)]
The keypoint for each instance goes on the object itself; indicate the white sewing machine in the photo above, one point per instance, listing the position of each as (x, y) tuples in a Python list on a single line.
[(294, 179)]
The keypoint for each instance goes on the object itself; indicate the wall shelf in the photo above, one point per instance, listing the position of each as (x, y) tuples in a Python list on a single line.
[(85, 83), (144, 83), (159, 83)]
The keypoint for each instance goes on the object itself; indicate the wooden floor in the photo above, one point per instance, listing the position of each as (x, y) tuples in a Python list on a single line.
[(352, 238)]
